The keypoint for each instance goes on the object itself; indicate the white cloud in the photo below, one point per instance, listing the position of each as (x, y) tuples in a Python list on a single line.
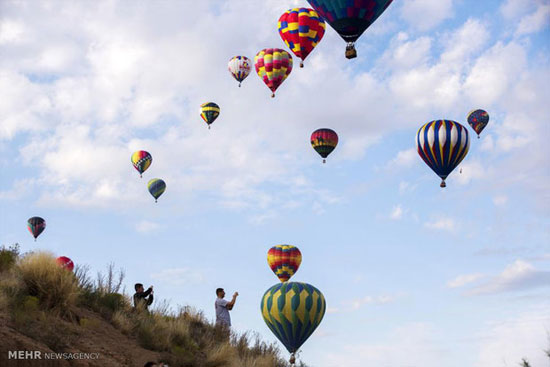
[(500, 200), (179, 276), (371, 300), (404, 158), (146, 226), (534, 22), (426, 14), (518, 276), (516, 8), (442, 224), (397, 213), (462, 280), (412, 344), (505, 343)]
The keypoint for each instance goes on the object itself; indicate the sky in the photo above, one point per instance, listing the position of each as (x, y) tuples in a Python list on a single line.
[(413, 275)]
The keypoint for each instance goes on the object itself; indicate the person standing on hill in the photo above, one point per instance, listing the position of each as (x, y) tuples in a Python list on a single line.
[(143, 298), (223, 307)]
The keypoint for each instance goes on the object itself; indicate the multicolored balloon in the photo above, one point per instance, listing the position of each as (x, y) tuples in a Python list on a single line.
[(350, 18), (478, 119), (324, 141), (239, 67), (156, 187), (273, 66), (442, 144), (293, 311), (284, 260), (141, 161), (301, 29), (36, 225), (209, 112), (65, 263)]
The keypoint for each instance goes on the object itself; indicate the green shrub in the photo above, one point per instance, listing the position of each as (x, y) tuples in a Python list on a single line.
[(8, 257)]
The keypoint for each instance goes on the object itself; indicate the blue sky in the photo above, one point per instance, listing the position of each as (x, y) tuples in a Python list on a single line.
[(413, 275)]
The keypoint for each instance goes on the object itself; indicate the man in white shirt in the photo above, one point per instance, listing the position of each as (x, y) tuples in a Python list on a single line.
[(223, 307)]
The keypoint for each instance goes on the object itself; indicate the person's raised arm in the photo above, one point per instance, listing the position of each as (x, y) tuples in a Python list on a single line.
[(231, 303)]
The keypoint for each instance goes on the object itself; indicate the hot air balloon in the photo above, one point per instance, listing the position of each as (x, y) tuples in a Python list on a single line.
[(141, 161), (209, 112), (284, 260), (324, 141), (65, 263), (273, 66), (301, 29), (36, 225), (156, 187), (239, 67), (350, 18), (293, 311), (478, 119), (442, 144)]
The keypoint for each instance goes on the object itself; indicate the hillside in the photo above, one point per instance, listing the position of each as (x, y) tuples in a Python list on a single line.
[(50, 316)]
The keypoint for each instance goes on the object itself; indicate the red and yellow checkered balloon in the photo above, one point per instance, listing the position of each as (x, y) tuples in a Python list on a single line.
[(301, 29)]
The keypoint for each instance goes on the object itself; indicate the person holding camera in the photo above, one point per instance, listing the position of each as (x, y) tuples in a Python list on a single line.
[(143, 298), (223, 307)]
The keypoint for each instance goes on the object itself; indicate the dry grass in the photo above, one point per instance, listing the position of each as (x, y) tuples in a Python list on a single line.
[(36, 292), (55, 287)]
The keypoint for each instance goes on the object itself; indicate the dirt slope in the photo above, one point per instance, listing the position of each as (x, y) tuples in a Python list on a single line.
[(95, 335)]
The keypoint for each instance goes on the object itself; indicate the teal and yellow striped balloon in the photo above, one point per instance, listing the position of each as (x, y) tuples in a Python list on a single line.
[(292, 311), (156, 187)]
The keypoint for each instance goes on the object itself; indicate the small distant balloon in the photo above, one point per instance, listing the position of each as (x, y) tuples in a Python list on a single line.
[(209, 112), (239, 67), (36, 225), (442, 145), (141, 161), (478, 119), (324, 141), (273, 66), (65, 263), (156, 187)]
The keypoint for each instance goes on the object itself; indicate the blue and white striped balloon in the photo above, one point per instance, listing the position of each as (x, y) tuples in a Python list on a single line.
[(442, 144)]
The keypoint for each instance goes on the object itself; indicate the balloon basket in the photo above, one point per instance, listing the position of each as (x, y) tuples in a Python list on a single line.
[(301, 64), (208, 127), (292, 359), (324, 161), (351, 52), (442, 184), (239, 85), (478, 136), (273, 95)]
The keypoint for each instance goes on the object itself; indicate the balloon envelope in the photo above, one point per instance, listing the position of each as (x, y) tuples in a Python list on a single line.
[(156, 187), (273, 66), (65, 262), (442, 145), (324, 141), (284, 260), (209, 112), (350, 18), (239, 67), (141, 160), (36, 225), (478, 119), (293, 311), (301, 29)]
